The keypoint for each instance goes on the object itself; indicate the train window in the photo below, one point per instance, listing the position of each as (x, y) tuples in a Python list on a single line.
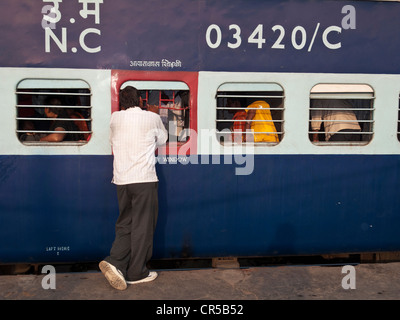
[(250, 113), (398, 122), (341, 114), (53, 111), (172, 99)]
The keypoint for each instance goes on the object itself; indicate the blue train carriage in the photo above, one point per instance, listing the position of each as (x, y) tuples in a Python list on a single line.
[(289, 187)]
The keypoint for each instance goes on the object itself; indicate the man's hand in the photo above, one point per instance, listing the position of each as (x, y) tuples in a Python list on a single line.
[(152, 108)]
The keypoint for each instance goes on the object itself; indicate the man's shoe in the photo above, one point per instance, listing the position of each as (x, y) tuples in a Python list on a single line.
[(113, 275), (152, 275)]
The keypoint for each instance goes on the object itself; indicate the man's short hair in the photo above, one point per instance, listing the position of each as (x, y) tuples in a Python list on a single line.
[(128, 97)]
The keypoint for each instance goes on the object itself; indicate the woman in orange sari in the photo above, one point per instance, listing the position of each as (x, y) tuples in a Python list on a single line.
[(263, 126)]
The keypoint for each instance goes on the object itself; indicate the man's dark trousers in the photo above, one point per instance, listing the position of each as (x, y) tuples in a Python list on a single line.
[(134, 229)]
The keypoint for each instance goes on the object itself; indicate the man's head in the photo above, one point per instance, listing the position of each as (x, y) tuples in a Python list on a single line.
[(233, 103), (129, 97), (53, 112)]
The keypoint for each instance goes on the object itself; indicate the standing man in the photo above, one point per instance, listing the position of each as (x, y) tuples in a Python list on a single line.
[(135, 135)]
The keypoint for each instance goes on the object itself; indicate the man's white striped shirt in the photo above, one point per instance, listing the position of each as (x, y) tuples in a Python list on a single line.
[(134, 136)]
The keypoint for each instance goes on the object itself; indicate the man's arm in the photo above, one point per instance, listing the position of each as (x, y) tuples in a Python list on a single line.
[(316, 116), (161, 133), (55, 137), (250, 115)]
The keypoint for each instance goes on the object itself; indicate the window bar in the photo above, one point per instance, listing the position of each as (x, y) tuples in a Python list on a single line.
[(47, 131)]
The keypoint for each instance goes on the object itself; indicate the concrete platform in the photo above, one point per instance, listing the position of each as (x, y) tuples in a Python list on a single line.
[(375, 281)]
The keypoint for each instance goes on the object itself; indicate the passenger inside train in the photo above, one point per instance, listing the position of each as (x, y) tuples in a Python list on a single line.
[(260, 112), (53, 115), (174, 110), (337, 119), (341, 113)]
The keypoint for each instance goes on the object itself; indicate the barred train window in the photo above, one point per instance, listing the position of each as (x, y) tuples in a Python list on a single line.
[(53, 111), (172, 98), (341, 114), (250, 113), (398, 122)]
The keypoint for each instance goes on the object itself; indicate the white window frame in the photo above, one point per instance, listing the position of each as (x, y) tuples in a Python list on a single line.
[(347, 92), (252, 92), (45, 88)]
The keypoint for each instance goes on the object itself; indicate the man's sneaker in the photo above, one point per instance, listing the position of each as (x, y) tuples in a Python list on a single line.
[(113, 275), (152, 275)]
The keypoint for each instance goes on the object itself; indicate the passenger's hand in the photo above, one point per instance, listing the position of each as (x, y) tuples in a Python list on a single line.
[(152, 108)]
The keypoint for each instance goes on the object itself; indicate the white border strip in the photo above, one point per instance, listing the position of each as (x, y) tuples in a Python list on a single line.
[(297, 88), (99, 82)]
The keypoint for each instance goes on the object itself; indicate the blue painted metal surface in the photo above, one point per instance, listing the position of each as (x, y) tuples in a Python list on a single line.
[(140, 35), (346, 204), (56, 202), (63, 208)]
